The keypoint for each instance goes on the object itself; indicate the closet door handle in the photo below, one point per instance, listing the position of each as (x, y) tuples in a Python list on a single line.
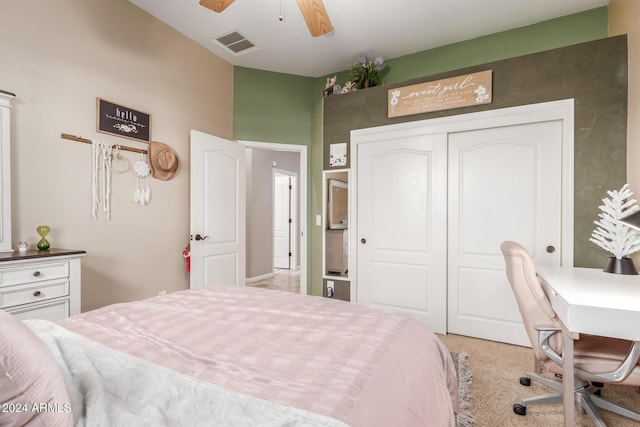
[(551, 249), (363, 241)]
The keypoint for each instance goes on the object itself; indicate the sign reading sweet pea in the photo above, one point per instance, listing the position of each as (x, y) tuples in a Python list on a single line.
[(454, 92)]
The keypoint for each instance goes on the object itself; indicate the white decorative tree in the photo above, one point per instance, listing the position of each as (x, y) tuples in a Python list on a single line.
[(612, 236)]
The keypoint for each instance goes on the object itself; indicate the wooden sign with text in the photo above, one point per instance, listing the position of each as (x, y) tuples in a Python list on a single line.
[(454, 92)]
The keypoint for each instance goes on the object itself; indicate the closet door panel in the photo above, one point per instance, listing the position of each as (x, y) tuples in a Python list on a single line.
[(505, 193), (401, 214), (408, 290), (504, 184)]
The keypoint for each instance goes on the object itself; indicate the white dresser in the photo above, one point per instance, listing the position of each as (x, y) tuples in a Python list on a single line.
[(41, 284), (337, 257)]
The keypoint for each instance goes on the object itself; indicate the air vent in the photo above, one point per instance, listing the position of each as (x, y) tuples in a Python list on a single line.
[(235, 42)]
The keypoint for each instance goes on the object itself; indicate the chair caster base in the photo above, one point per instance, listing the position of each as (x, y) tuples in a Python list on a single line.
[(600, 387), (525, 381), (519, 409)]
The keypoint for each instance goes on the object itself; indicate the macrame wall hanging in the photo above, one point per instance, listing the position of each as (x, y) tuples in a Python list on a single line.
[(102, 156), (102, 159), (107, 159)]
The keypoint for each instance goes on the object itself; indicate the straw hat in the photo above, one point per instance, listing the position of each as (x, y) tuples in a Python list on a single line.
[(163, 159)]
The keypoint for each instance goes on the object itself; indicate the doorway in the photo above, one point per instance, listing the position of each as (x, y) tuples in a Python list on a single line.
[(218, 225), (289, 162)]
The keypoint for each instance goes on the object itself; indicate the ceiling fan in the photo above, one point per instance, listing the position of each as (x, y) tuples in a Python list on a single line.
[(313, 11)]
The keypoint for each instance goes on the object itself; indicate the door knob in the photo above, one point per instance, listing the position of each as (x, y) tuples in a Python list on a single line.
[(198, 237), (363, 241), (551, 249)]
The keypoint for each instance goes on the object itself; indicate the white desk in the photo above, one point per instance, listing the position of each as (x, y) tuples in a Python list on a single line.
[(594, 302)]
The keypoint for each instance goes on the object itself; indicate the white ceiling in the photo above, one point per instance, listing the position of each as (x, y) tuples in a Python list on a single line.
[(389, 28)]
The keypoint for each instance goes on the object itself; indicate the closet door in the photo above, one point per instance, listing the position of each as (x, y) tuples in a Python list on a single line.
[(504, 184), (401, 226)]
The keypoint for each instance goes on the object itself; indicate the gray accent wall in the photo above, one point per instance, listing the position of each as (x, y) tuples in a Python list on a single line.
[(594, 74)]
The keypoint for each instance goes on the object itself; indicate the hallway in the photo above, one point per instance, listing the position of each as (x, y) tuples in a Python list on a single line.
[(282, 280)]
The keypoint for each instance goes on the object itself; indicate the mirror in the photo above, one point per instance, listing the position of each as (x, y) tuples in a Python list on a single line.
[(338, 207), (336, 224)]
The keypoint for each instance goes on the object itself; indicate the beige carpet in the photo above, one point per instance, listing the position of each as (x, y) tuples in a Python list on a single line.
[(496, 368)]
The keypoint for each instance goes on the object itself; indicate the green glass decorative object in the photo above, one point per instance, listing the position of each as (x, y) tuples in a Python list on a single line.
[(43, 244)]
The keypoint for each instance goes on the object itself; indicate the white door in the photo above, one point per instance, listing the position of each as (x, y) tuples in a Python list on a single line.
[(504, 184), (282, 221), (401, 209), (218, 179)]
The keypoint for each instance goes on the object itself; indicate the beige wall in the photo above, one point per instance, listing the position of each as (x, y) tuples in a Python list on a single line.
[(624, 18), (57, 57)]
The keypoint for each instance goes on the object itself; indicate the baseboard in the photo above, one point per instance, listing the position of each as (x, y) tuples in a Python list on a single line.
[(258, 278)]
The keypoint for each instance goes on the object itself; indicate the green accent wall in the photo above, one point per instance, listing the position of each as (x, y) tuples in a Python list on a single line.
[(283, 108), (559, 32), (565, 31), (272, 107)]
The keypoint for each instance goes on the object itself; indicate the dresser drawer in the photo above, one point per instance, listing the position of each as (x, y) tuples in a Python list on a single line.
[(26, 294), (52, 311), (33, 273)]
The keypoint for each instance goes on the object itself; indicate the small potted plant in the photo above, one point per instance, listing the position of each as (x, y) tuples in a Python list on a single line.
[(615, 237), (366, 73)]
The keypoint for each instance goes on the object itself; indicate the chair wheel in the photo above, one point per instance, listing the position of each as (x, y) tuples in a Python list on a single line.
[(519, 409), (525, 381)]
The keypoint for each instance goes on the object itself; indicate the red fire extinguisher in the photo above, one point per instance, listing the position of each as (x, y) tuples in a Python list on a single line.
[(187, 257)]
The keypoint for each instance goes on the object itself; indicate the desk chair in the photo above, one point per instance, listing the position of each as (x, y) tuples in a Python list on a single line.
[(597, 359)]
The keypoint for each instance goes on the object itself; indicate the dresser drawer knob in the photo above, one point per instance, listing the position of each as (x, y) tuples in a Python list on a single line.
[(36, 274), (37, 293)]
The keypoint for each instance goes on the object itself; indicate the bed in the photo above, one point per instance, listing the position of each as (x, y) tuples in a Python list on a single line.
[(226, 356)]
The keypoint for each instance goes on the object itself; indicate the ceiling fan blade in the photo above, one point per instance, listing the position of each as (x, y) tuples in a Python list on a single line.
[(316, 17), (216, 5)]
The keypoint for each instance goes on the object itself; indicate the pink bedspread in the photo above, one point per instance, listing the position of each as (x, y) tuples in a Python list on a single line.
[(360, 365)]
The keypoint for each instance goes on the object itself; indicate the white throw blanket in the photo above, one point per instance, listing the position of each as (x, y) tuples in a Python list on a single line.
[(111, 388)]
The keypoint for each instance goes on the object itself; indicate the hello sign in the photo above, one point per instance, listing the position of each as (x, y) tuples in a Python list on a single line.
[(454, 92)]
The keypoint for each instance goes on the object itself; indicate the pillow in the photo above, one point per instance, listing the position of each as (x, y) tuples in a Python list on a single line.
[(32, 390)]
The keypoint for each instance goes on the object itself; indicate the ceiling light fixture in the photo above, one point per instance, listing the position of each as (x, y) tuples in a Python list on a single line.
[(313, 11)]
